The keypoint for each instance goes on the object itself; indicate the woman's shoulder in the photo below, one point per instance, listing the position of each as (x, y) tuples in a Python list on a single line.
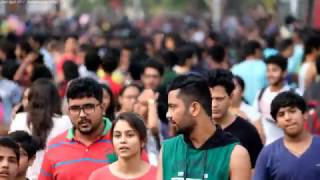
[(61, 123), (151, 174), (19, 123), (100, 173)]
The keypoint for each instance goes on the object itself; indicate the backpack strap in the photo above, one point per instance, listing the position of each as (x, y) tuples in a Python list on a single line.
[(260, 97)]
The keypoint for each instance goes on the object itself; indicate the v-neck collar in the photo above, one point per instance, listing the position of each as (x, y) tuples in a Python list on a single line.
[(303, 154)]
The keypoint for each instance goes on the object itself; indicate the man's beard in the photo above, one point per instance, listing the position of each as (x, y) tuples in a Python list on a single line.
[(186, 130)]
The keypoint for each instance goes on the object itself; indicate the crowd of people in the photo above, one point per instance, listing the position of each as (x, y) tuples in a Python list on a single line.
[(126, 104)]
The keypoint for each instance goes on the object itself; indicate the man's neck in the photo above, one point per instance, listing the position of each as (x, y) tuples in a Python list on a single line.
[(88, 139), (298, 145), (277, 87), (310, 58), (236, 104), (251, 58), (301, 138), (202, 132), (226, 120), (129, 166)]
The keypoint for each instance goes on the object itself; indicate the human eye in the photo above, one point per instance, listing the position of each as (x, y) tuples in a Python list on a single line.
[(116, 135), (88, 106), (131, 134), (13, 160), (280, 114), (171, 106), (74, 108)]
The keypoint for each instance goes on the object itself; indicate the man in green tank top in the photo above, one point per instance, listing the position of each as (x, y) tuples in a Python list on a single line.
[(201, 150)]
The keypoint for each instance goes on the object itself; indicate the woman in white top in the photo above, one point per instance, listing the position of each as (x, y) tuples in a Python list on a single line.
[(43, 119), (308, 70)]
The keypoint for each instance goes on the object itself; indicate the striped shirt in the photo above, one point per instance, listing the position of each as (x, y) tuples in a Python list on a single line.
[(67, 158)]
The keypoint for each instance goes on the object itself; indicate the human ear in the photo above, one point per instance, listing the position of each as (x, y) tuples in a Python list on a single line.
[(194, 108)]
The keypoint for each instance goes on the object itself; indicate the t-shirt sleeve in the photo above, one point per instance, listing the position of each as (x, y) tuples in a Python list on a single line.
[(255, 104), (46, 172), (260, 172), (19, 123), (253, 144)]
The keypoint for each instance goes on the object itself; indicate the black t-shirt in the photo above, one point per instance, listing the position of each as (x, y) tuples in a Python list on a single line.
[(248, 136)]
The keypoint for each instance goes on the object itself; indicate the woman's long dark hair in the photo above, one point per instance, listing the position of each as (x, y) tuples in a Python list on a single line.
[(110, 111), (44, 103)]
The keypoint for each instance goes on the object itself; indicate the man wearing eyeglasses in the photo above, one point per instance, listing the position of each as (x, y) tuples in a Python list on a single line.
[(87, 146)]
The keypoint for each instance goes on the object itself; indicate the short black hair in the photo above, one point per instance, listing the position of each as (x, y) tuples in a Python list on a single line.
[(285, 44), (154, 64), (136, 67), (221, 77), (9, 68), (240, 81), (8, 48), (40, 71), (193, 87), (39, 37), (279, 61), (217, 53), (311, 42), (110, 59), (9, 143), (289, 19), (92, 60), (84, 87), (287, 99), (70, 70), (25, 46), (185, 52), (250, 48), (26, 142), (169, 58), (135, 121)]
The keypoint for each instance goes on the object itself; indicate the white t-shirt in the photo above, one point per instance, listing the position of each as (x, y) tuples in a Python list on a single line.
[(60, 125), (250, 112), (271, 130)]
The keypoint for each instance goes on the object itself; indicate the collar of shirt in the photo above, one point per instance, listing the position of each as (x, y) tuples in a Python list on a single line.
[(107, 127), (218, 138)]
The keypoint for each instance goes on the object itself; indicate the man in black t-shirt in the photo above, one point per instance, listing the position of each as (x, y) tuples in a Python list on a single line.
[(221, 87)]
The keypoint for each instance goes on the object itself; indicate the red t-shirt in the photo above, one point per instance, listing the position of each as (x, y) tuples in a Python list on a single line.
[(115, 87), (105, 173)]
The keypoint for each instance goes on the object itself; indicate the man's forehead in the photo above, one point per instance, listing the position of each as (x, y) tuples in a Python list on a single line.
[(286, 108), (7, 152), (80, 101), (174, 93), (151, 70)]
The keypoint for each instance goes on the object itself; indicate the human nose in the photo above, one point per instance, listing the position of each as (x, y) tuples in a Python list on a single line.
[(123, 139), (82, 113), (4, 163), (168, 114), (287, 116)]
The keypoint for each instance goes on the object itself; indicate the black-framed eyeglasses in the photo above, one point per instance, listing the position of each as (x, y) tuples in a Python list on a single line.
[(87, 109)]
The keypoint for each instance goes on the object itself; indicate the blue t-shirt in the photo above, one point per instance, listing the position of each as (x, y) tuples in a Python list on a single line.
[(276, 162), (254, 74)]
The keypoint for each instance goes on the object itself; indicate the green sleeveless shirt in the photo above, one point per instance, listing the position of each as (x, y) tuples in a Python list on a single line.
[(180, 161)]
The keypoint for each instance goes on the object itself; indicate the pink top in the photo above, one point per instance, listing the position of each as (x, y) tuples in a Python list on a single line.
[(105, 173)]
